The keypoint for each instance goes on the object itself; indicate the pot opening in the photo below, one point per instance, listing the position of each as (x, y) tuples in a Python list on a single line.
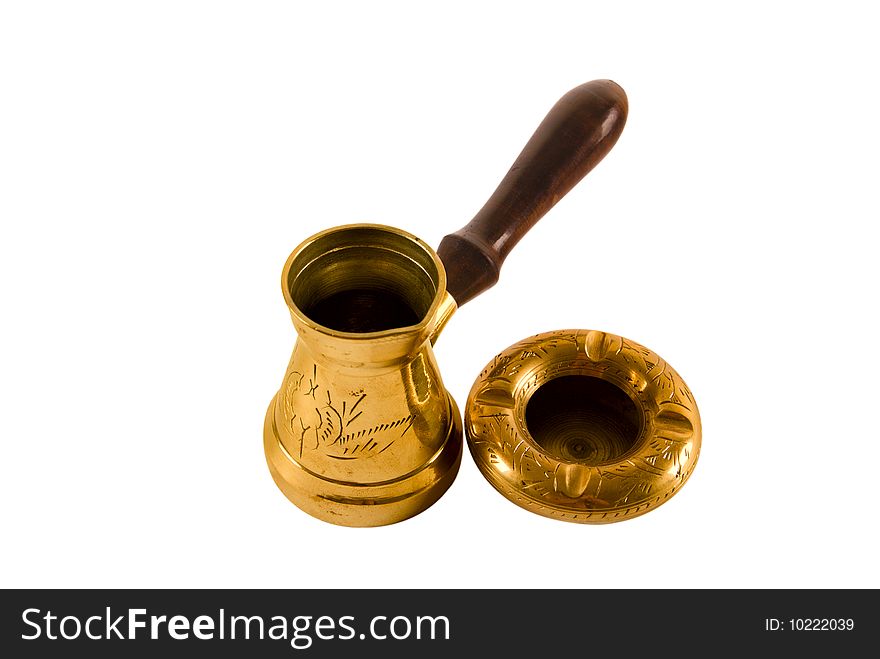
[(363, 310), (364, 279), (584, 419)]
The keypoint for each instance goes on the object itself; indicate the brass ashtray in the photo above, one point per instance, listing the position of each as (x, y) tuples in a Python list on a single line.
[(583, 426)]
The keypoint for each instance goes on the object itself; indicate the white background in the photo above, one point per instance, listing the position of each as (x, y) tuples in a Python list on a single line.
[(159, 161)]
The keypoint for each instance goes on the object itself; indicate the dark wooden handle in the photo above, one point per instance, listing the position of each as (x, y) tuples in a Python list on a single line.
[(574, 136)]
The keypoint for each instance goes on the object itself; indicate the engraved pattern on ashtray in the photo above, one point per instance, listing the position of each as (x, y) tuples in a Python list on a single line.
[(626, 488)]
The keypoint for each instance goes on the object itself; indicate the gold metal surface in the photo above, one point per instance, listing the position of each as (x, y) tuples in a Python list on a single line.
[(362, 431), (583, 426)]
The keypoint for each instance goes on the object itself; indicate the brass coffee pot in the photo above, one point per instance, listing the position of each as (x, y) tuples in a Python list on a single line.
[(362, 431)]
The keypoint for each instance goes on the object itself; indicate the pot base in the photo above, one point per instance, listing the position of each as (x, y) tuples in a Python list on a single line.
[(364, 504)]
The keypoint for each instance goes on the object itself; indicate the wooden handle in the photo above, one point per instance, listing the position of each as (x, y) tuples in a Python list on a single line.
[(574, 136)]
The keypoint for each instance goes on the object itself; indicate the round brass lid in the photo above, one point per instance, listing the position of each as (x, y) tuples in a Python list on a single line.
[(583, 426)]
